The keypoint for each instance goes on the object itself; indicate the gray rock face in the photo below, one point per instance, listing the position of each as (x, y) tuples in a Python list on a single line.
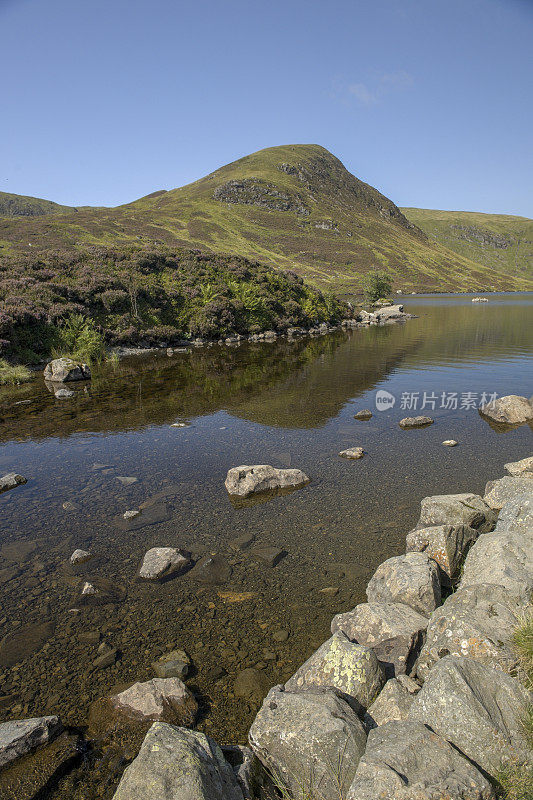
[(504, 558), (510, 410), (476, 622), (23, 735), (390, 629), (502, 491), (517, 514), (415, 422), (152, 699), (456, 509), (177, 763), (11, 481), (412, 579), (447, 545), (161, 562), (522, 467), (246, 480), (65, 369), (305, 738), (393, 702), (339, 664), (406, 761), (477, 708)]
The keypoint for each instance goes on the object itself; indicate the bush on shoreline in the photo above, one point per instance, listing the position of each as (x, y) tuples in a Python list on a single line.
[(13, 375)]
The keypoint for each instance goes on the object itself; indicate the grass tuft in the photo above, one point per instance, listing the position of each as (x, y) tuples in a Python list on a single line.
[(13, 376)]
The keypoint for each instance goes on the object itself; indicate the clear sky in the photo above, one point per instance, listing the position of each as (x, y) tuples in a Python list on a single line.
[(430, 101)]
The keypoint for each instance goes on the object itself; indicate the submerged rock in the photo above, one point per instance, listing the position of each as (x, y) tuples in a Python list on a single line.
[(510, 410), (11, 481), (246, 480), (415, 422), (162, 562), (61, 370), (251, 684), (175, 664), (157, 699), (80, 556), (412, 579), (20, 736)]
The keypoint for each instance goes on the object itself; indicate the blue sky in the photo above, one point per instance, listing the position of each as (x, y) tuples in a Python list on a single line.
[(428, 100)]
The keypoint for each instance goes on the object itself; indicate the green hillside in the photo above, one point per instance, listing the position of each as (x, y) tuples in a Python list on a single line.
[(293, 207), (18, 205), (502, 242)]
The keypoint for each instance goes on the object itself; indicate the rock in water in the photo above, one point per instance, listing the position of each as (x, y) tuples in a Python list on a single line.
[(510, 410), (352, 452), (65, 369), (302, 738), (476, 708), (364, 414), (449, 443), (157, 698), (412, 579), (175, 664), (162, 562), (415, 422), (177, 763), (406, 761), (523, 467), (23, 735), (246, 480), (11, 481), (80, 556)]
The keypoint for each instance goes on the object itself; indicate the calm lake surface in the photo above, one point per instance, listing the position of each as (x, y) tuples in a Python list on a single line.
[(281, 403)]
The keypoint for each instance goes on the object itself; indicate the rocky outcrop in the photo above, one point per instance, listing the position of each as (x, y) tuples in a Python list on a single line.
[(163, 562), (412, 579), (246, 480), (510, 410), (407, 761), (255, 192), (447, 545), (503, 490), (61, 370), (456, 509), (11, 481), (21, 736), (177, 763), (310, 742)]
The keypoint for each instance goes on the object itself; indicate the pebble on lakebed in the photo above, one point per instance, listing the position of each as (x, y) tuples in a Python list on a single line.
[(415, 422), (80, 556), (450, 443)]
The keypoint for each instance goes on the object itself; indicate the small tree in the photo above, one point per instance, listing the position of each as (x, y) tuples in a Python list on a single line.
[(376, 285)]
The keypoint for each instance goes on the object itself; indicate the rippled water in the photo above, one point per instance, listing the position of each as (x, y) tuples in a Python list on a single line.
[(287, 404)]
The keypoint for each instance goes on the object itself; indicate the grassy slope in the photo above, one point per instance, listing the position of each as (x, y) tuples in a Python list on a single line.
[(502, 242), (18, 205), (366, 230)]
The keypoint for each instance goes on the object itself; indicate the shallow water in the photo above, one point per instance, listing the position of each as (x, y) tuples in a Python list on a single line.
[(287, 404)]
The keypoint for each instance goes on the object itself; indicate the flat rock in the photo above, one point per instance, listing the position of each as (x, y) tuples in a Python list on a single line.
[(155, 699), (502, 491), (20, 736), (11, 481), (126, 480), (447, 545), (268, 555), (477, 708), (390, 629), (504, 558), (150, 515), (406, 761), (162, 562), (450, 443), (178, 763), (212, 569), (510, 410), (246, 480), (393, 702), (475, 621), (96, 591), (415, 422), (80, 556), (411, 579), (339, 664), (251, 684), (364, 414), (456, 509), (517, 514), (299, 736), (352, 452), (66, 369), (242, 542), (522, 467)]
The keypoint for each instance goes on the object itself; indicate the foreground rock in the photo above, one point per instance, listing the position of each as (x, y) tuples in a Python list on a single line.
[(505, 558), (522, 467), (393, 702), (352, 452), (310, 742), (11, 481), (177, 763), (61, 370), (393, 630), (412, 579), (415, 422), (339, 664), (477, 622), (476, 708), (406, 761), (510, 410), (456, 509), (517, 514), (502, 491), (154, 699), (21, 736), (162, 562), (246, 480), (447, 545)]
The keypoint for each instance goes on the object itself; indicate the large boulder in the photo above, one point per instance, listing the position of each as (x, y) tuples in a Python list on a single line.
[(302, 738), (475, 621), (517, 514), (407, 761), (504, 558), (412, 579), (21, 736), (65, 369), (162, 562), (510, 410), (393, 630), (447, 545), (478, 709), (503, 490), (11, 481), (156, 699), (390, 312), (177, 763), (246, 480), (339, 664), (522, 467), (393, 702), (456, 509)]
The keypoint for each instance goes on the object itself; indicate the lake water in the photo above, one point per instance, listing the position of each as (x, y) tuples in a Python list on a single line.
[(281, 403)]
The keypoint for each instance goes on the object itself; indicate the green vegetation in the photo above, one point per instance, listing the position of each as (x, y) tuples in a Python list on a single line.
[(376, 285), (78, 339), (293, 207), (13, 375), (18, 205)]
